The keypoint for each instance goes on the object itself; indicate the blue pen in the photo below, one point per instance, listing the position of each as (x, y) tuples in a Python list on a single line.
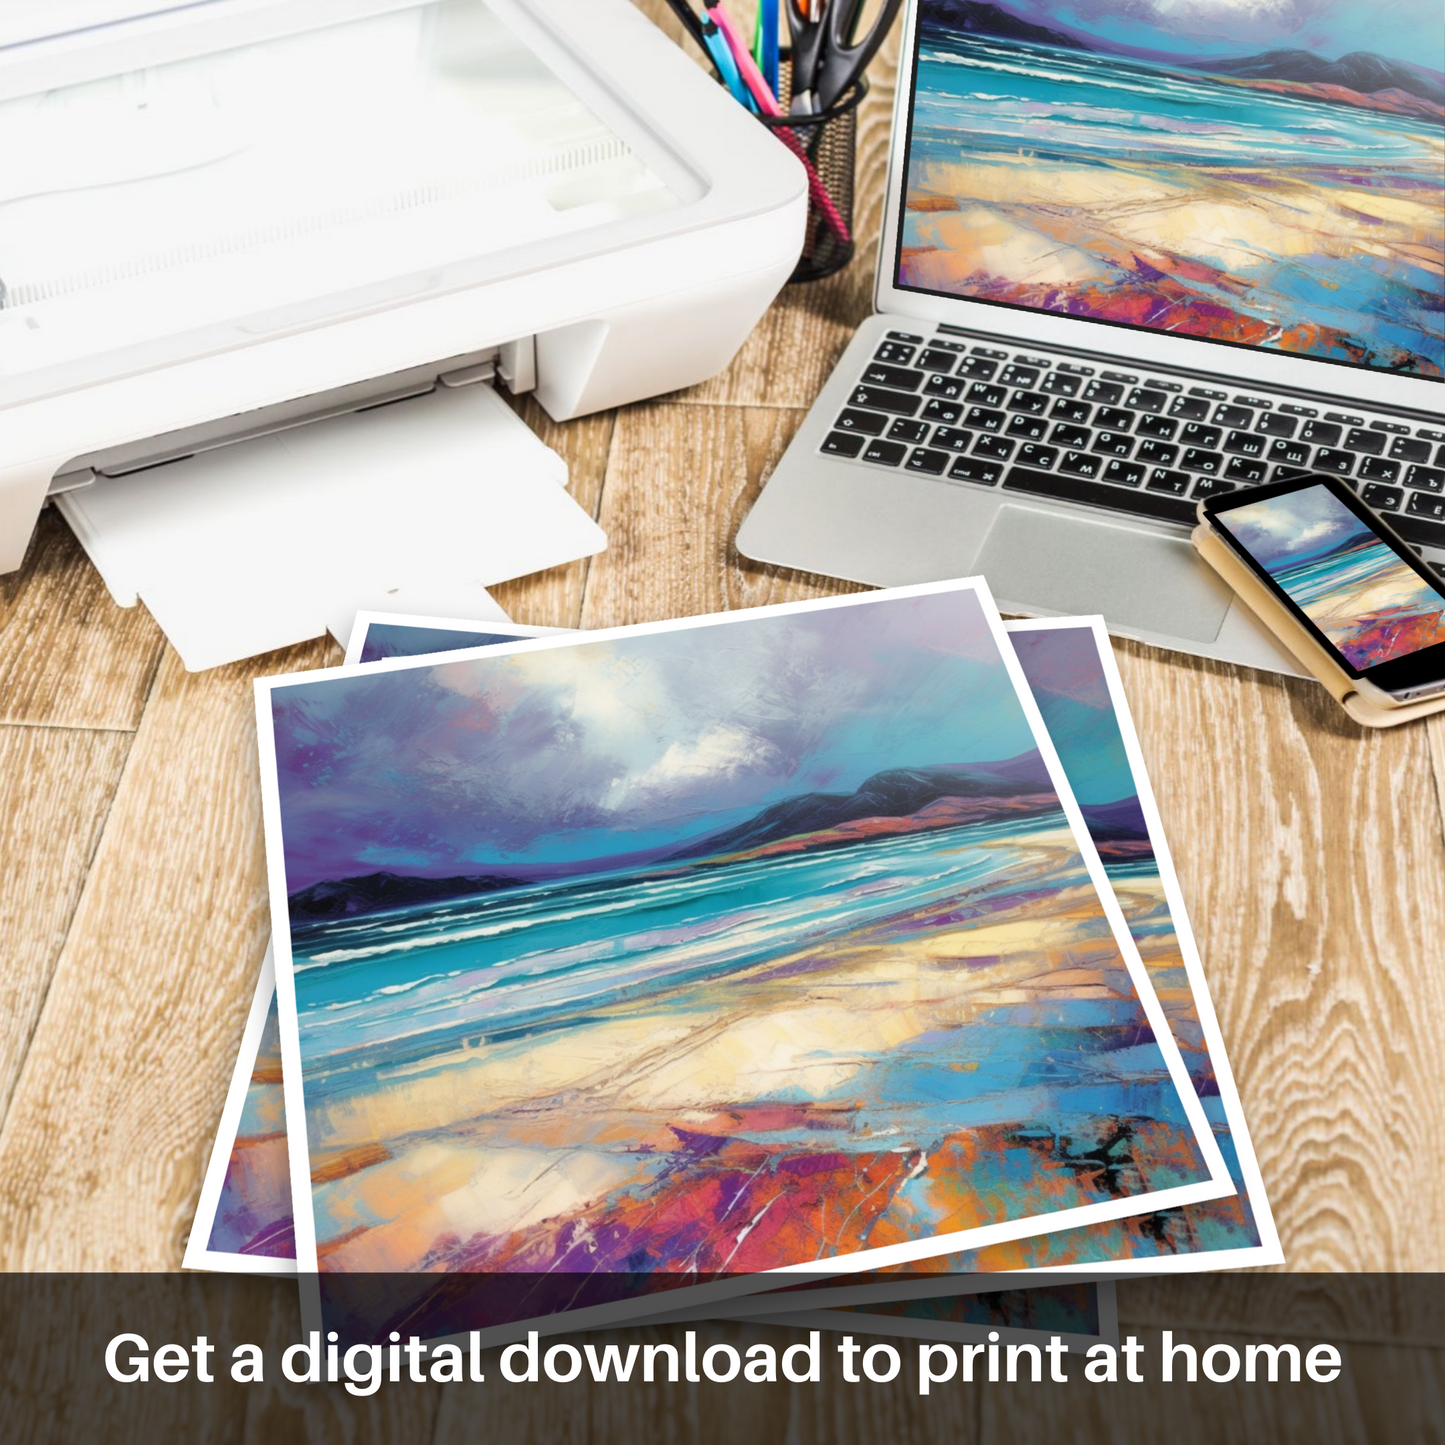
[(768, 28), (727, 67)]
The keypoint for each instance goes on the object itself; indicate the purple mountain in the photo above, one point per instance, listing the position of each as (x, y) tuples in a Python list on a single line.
[(897, 793)]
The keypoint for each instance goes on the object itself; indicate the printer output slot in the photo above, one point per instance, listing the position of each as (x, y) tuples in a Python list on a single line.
[(514, 362)]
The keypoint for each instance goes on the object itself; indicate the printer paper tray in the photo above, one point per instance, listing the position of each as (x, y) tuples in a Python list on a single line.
[(417, 506)]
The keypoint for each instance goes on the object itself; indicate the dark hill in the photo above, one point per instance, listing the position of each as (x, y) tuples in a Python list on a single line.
[(1121, 822), (373, 892), (983, 19), (897, 793), (1360, 70)]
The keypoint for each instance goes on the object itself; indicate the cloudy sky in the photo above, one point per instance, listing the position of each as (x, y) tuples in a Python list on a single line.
[(1067, 679), (597, 749), (1298, 527), (1402, 29)]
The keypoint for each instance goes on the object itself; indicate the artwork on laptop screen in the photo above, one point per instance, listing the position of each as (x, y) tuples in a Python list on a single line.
[(1239, 170), (1353, 587)]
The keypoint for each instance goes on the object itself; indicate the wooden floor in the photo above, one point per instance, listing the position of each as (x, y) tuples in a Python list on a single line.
[(133, 913)]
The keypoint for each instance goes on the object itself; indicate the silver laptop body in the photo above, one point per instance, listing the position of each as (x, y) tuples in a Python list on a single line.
[(978, 476)]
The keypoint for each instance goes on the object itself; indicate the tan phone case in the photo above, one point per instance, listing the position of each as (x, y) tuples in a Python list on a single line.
[(1263, 603)]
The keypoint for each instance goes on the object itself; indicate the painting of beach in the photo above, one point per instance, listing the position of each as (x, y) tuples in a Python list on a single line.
[(253, 1214), (1371, 605), (1267, 174), (708, 949)]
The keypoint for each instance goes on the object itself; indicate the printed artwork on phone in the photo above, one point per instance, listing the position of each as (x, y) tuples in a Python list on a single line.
[(1354, 588)]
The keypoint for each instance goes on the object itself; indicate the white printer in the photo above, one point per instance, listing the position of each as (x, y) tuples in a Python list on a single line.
[(223, 220)]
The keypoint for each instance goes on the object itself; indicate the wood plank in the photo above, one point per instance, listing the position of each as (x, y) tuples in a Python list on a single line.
[(56, 786), (679, 482), (1314, 870), (1384, 1396), (69, 657), (554, 598), (117, 1102)]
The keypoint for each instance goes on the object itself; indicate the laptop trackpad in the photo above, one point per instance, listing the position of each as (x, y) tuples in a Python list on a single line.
[(1071, 565)]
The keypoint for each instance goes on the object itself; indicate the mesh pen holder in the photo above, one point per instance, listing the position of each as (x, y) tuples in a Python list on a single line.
[(827, 144)]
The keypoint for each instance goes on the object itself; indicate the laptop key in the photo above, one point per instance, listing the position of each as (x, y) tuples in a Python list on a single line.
[(1124, 474), (1113, 418), (1195, 435), (935, 409), (1322, 433), (886, 454), (1059, 383), (933, 359), (1035, 403), (982, 419), (1112, 444), (1144, 398), (1081, 464), (878, 398), (1189, 408), (1292, 454), (843, 444), (1377, 469), (1372, 443), (867, 422), (1199, 460), (1159, 454), (1421, 504), (1107, 392), (1419, 530), (1245, 444), (1071, 436), (948, 387), (906, 429), (971, 469), (877, 374), (977, 368), (1100, 494), (1211, 487), (955, 439), (1407, 449), (1235, 416), (1015, 375), (895, 353), (924, 459), (1425, 479), (1162, 428), (1161, 479), (1240, 469), (1074, 411), (995, 447), (1032, 428), (1331, 459), (1037, 456), (1381, 498), (905, 336), (984, 395), (1272, 424)]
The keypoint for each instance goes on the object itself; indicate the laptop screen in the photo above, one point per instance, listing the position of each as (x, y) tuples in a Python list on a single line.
[(1267, 173)]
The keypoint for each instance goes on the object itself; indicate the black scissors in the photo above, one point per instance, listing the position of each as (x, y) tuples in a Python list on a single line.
[(827, 54)]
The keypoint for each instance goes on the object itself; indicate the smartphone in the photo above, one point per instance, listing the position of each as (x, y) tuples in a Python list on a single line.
[(1338, 569)]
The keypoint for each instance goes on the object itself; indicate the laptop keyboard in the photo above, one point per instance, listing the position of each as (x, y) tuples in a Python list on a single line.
[(1142, 444)]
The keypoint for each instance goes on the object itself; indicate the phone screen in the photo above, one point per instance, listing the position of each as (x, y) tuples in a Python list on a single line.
[(1365, 599)]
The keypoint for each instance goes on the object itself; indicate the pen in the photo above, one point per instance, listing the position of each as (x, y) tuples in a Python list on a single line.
[(765, 42)]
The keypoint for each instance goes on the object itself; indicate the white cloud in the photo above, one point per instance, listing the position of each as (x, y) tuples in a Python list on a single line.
[(720, 753)]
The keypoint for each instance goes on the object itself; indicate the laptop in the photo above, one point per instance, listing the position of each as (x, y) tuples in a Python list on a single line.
[(1134, 255)]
